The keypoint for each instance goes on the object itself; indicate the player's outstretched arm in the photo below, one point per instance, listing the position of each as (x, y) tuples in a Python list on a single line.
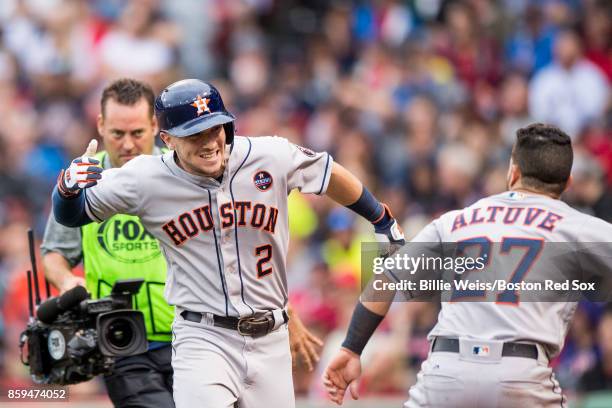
[(346, 189), (342, 373), (345, 368), (68, 202)]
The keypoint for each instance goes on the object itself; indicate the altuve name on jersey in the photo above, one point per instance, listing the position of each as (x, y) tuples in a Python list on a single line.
[(528, 216), (244, 213)]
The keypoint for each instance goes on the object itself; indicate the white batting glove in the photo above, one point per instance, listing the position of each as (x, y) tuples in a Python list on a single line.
[(84, 172), (390, 236)]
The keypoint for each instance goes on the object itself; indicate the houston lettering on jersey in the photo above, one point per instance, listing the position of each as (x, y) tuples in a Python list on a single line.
[(191, 223), (529, 216)]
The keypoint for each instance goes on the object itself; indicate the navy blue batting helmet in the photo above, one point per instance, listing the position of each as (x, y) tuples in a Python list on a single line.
[(190, 106)]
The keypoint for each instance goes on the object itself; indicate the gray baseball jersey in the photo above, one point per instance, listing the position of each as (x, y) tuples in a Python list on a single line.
[(225, 242), (520, 224)]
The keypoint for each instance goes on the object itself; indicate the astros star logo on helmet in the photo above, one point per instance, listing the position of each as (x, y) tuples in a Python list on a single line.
[(202, 105)]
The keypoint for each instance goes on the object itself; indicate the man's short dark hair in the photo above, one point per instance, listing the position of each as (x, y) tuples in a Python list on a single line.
[(543, 154), (127, 91)]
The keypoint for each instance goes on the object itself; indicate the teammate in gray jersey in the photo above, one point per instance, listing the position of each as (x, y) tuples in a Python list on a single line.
[(217, 203), (496, 354)]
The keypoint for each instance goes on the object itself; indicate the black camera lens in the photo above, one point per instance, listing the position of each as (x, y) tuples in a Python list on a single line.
[(120, 333)]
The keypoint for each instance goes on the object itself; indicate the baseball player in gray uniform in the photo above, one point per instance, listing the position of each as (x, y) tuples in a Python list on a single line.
[(496, 354), (217, 203)]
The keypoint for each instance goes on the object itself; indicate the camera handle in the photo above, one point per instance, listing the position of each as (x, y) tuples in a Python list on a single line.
[(124, 289)]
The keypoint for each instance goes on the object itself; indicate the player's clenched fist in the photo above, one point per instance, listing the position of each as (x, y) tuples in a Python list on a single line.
[(83, 172), (388, 233)]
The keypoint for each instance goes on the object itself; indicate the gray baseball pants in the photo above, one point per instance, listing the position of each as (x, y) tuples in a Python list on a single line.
[(219, 368), (465, 379)]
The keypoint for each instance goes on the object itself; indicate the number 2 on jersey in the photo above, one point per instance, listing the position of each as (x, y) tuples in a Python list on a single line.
[(532, 250), (262, 268)]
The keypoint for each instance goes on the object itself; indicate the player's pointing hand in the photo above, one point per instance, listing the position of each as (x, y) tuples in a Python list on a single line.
[(84, 172), (342, 372)]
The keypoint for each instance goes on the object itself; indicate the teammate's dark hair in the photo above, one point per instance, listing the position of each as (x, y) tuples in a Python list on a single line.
[(543, 154), (127, 91)]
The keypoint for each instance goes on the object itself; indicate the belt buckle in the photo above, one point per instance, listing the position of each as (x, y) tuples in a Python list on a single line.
[(254, 326), (239, 326)]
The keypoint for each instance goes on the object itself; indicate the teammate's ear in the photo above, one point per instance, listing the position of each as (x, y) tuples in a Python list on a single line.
[(99, 124), (155, 125), (514, 175)]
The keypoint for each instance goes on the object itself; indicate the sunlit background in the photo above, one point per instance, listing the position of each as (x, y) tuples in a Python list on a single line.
[(419, 98)]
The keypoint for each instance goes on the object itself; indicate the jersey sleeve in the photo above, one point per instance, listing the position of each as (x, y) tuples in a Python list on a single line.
[(308, 171), (63, 240), (116, 193), (430, 233), (594, 253)]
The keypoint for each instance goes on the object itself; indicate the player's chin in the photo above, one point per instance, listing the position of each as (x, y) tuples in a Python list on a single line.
[(210, 167)]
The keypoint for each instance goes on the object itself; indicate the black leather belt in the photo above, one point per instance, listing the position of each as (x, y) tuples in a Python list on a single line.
[(451, 345), (254, 326)]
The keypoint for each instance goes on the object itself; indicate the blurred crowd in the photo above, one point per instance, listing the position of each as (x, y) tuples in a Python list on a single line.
[(420, 99)]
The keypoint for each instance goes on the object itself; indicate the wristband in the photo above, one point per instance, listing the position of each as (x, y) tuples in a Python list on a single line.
[(363, 324), (368, 207), (385, 221)]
